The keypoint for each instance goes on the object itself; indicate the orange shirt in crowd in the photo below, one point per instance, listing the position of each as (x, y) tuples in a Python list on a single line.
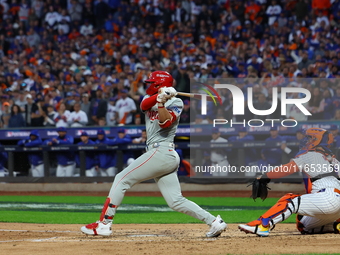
[(321, 6), (252, 10)]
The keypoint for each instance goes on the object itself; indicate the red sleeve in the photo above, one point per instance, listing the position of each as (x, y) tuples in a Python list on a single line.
[(168, 123), (314, 5), (147, 103), (284, 170)]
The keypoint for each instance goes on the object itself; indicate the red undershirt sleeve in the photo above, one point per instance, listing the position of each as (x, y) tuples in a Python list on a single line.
[(147, 103), (284, 170)]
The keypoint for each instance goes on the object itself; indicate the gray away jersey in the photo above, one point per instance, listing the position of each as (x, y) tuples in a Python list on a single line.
[(155, 133)]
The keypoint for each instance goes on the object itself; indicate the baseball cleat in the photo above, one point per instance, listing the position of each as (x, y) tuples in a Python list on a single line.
[(258, 229), (217, 227), (97, 228)]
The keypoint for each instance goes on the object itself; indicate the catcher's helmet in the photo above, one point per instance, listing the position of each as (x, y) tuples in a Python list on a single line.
[(316, 137), (157, 80)]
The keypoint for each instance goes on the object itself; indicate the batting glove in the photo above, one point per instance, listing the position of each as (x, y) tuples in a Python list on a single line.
[(170, 91), (161, 98), (163, 93)]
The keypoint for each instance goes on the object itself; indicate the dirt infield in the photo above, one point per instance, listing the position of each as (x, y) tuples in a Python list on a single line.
[(157, 239)]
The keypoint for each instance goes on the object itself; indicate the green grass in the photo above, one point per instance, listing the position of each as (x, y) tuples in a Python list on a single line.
[(121, 218), (213, 201), (240, 210)]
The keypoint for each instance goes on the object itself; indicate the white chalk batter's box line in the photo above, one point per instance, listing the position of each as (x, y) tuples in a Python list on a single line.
[(91, 239), (45, 231), (54, 239)]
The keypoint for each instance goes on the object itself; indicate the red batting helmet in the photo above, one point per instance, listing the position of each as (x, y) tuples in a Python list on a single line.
[(157, 80)]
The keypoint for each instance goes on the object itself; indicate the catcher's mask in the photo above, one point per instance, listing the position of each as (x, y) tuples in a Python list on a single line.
[(317, 137), (157, 80)]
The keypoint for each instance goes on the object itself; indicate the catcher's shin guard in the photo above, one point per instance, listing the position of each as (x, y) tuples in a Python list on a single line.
[(108, 211), (299, 224), (280, 211)]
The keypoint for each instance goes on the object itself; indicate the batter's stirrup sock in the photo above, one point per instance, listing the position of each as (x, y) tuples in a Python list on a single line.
[(108, 211), (108, 219), (112, 209)]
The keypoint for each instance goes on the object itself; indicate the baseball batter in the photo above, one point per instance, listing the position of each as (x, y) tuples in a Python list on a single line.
[(160, 162), (318, 211)]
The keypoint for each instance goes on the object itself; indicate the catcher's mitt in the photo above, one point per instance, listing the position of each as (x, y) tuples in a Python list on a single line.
[(260, 187)]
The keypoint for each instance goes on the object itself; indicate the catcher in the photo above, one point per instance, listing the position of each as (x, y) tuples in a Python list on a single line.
[(318, 211)]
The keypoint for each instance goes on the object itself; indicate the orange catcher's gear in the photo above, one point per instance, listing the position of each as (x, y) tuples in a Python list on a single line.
[(316, 137), (281, 211)]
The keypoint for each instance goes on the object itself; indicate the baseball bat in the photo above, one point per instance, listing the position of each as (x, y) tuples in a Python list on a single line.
[(196, 96)]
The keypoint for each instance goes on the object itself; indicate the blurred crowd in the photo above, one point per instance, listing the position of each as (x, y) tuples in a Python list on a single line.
[(83, 62)]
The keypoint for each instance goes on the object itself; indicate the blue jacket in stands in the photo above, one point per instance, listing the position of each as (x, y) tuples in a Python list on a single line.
[(336, 141), (64, 158), (250, 154), (262, 164), (16, 121), (181, 171), (35, 158), (3, 159), (106, 159), (273, 155), (289, 138), (125, 140), (91, 156)]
